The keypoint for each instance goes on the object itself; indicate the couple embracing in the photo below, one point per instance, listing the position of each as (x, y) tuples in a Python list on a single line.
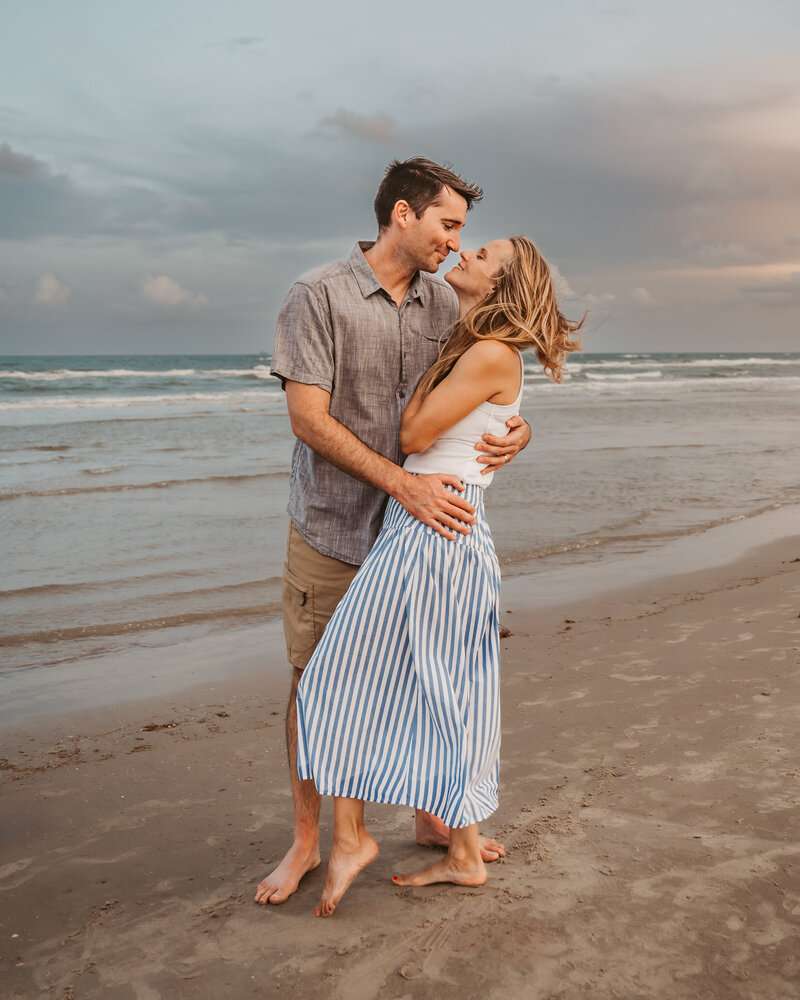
[(391, 608)]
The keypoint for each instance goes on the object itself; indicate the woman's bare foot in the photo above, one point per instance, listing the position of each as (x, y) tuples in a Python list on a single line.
[(300, 859), (345, 863), (431, 832), (471, 872)]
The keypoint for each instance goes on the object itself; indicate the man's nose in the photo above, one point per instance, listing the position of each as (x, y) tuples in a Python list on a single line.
[(453, 243)]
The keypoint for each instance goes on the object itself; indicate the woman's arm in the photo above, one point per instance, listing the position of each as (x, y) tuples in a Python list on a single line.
[(486, 370)]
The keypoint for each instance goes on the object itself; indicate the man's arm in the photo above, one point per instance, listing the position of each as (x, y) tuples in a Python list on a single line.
[(424, 497)]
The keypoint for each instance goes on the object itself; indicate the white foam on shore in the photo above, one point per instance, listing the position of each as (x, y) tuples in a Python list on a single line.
[(68, 374), (242, 396)]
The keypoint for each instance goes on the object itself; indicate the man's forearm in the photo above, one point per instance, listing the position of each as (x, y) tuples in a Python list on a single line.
[(339, 446), (425, 497)]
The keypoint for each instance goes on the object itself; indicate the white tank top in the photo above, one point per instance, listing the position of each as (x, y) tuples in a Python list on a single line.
[(454, 452)]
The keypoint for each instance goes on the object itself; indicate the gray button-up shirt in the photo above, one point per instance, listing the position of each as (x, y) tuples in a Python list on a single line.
[(341, 330)]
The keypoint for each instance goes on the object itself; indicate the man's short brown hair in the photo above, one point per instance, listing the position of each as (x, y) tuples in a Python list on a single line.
[(418, 181)]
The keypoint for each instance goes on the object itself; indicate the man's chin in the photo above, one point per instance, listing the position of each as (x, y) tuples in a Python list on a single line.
[(435, 263)]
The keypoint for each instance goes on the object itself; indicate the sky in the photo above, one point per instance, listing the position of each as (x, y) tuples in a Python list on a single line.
[(167, 169)]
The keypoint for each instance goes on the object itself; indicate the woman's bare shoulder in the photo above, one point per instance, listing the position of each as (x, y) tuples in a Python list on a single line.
[(494, 352)]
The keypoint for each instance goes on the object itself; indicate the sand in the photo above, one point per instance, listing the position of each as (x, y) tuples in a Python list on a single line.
[(650, 785)]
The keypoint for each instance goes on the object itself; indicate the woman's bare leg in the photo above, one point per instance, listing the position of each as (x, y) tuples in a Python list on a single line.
[(462, 864), (430, 831), (353, 849)]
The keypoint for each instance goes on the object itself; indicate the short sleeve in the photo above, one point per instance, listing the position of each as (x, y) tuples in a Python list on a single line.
[(304, 339)]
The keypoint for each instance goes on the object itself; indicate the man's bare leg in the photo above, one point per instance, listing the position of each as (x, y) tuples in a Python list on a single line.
[(432, 832), (353, 849), (462, 865), (303, 855)]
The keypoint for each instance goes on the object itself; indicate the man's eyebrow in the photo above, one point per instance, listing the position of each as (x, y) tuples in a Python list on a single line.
[(454, 222)]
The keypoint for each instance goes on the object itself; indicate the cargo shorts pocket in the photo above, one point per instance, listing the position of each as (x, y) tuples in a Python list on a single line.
[(299, 625)]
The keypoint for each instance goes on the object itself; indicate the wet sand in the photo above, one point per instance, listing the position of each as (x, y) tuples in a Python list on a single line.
[(650, 804)]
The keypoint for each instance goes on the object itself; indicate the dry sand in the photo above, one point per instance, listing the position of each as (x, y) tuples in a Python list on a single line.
[(649, 803)]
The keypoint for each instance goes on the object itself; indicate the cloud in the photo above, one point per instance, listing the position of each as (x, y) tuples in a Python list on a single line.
[(14, 164), (560, 284), (775, 291), (375, 128), (726, 253), (603, 299), (242, 42), (642, 296), (167, 293), (51, 292)]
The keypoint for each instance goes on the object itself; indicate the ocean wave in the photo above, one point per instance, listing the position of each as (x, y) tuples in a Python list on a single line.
[(732, 362), (240, 397), (605, 363), (107, 585), (720, 382), (235, 616), (624, 376), (64, 374), (161, 484), (68, 374), (637, 362)]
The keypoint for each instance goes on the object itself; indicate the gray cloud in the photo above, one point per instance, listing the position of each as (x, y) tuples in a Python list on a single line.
[(233, 44), (608, 181), (14, 164), (601, 175), (775, 292), (374, 128)]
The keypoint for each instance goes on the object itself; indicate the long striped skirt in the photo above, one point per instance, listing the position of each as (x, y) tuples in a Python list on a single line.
[(400, 701)]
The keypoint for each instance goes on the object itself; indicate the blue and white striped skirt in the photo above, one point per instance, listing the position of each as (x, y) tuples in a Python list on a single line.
[(400, 701)]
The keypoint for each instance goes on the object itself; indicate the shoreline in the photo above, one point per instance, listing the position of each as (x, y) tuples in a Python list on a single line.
[(168, 661), (649, 803)]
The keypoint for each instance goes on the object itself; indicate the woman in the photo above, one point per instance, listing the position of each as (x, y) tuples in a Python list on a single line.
[(400, 702)]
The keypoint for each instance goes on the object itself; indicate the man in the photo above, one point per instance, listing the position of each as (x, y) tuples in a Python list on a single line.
[(353, 340)]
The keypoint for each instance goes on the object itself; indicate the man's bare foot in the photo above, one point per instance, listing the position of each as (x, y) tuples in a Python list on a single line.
[(343, 867), (301, 858), (431, 832), (446, 870)]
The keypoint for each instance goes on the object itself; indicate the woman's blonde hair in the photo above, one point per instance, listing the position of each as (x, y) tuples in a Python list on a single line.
[(522, 311)]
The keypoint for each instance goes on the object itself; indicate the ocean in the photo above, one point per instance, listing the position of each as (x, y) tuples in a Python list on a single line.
[(145, 496)]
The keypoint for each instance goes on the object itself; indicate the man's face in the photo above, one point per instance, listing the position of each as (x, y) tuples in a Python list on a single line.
[(431, 238)]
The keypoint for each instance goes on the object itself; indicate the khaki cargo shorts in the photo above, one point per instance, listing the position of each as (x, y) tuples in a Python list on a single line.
[(313, 584)]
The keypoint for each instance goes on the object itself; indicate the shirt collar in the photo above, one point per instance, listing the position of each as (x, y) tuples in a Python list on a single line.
[(365, 276)]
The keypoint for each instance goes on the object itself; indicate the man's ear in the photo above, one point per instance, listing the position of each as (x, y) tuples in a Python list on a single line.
[(401, 213)]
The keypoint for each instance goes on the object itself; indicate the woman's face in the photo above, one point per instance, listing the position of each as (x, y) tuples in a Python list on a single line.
[(473, 276)]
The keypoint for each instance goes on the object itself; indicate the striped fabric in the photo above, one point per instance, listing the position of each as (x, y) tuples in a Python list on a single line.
[(400, 702)]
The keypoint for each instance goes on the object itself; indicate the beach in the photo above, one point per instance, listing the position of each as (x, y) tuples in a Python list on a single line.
[(649, 539), (650, 785)]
